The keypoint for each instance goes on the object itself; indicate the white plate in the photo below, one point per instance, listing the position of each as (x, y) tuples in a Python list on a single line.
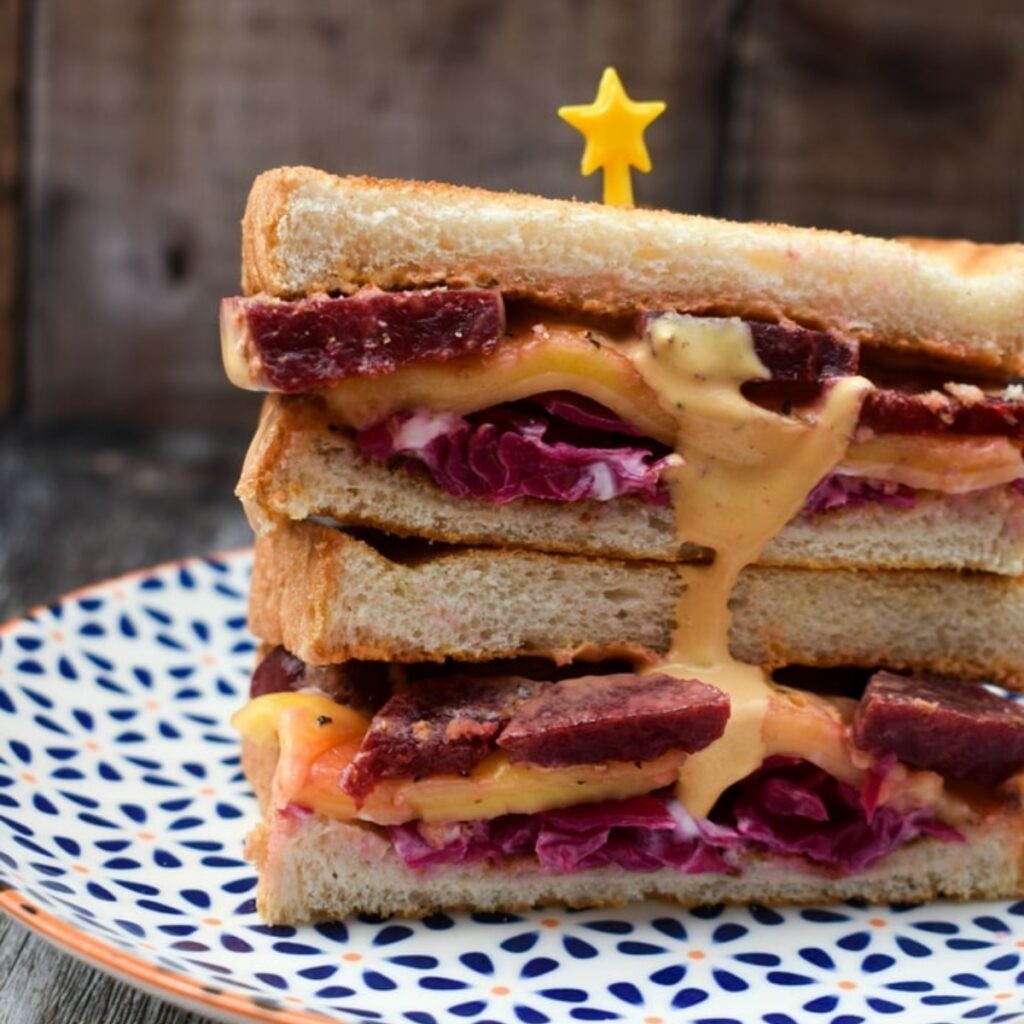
[(122, 816)]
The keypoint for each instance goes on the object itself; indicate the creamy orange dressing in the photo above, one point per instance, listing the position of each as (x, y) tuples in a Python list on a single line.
[(745, 472)]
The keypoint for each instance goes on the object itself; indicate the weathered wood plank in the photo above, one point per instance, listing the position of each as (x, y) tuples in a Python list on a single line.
[(154, 117), (39, 984), (892, 118), (85, 504), (11, 17)]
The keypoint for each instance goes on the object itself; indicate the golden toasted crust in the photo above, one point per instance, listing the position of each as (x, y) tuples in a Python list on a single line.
[(263, 212), (306, 231)]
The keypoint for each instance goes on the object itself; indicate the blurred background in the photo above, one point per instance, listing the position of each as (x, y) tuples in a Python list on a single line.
[(130, 131)]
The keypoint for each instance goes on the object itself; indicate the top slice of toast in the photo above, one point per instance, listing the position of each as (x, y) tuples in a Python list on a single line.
[(307, 231)]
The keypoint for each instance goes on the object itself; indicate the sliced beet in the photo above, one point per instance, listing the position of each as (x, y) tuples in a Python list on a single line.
[(313, 343), (360, 685), (799, 355), (950, 726), (434, 727), (624, 717), (889, 411), (278, 672)]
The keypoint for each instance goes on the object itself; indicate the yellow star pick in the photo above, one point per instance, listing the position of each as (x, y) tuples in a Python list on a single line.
[(613, 126)]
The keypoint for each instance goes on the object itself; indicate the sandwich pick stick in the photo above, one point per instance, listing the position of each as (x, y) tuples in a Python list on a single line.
[(613, 126)]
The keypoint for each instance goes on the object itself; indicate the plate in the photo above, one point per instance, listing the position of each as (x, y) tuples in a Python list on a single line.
[(122, 817)]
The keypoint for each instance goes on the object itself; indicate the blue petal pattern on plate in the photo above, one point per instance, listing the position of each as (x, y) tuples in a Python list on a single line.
[(122, 817)]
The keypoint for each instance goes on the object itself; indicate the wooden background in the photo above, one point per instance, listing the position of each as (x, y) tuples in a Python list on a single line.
[(131, 129)]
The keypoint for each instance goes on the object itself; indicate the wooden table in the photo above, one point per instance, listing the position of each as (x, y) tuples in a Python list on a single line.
[(80, 505)]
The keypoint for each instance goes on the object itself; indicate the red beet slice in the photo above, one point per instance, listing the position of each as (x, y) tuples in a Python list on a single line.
[(313, 343), (950, 726), (592, 719), (795, 354), (887, 411), (434, 727)]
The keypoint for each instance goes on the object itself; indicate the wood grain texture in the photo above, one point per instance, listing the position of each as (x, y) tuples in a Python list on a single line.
[(151, 118), (884, 117), (38, 984), (82, 505), (11, 18)]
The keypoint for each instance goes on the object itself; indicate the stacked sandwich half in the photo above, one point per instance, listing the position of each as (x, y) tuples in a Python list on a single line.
[(608, 553)]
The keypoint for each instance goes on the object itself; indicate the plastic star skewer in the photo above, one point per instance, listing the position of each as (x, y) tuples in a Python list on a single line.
[(613, 126)]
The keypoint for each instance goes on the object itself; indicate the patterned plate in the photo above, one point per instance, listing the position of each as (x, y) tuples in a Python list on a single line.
[(122, 813)]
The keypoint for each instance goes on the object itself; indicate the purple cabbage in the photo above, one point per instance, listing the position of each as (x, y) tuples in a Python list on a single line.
[(561, 446), (557, 446), (642, 833), (584, 412), (789, 807), (838, 491)]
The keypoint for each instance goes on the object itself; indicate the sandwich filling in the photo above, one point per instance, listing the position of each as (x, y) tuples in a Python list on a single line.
[(535, 769), (560, 446), (499, 405), (741, 427)]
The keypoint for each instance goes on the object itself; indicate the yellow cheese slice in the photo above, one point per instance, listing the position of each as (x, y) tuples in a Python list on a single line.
[(568, 357), (318, 739), (559, 357), (953, 465)]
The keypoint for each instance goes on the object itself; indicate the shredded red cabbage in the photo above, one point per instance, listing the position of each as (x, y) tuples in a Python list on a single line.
[(584, 412), (838, 491), (565, 447), (556, 446), (642, 833), (788, 807)]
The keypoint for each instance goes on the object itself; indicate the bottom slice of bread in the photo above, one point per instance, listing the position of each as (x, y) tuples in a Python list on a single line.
[(313, 868), (316, 869)]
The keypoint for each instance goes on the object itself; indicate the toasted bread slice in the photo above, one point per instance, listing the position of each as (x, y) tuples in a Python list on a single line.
[(306, 231), (328, 596), (298, 467)]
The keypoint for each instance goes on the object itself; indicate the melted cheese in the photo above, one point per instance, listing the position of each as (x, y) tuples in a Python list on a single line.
[(563, 356), (306, 726), (745, 472), (534, 359), (953, 465)]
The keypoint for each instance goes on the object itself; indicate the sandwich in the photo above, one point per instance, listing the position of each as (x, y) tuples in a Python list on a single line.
[(604, 554)]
